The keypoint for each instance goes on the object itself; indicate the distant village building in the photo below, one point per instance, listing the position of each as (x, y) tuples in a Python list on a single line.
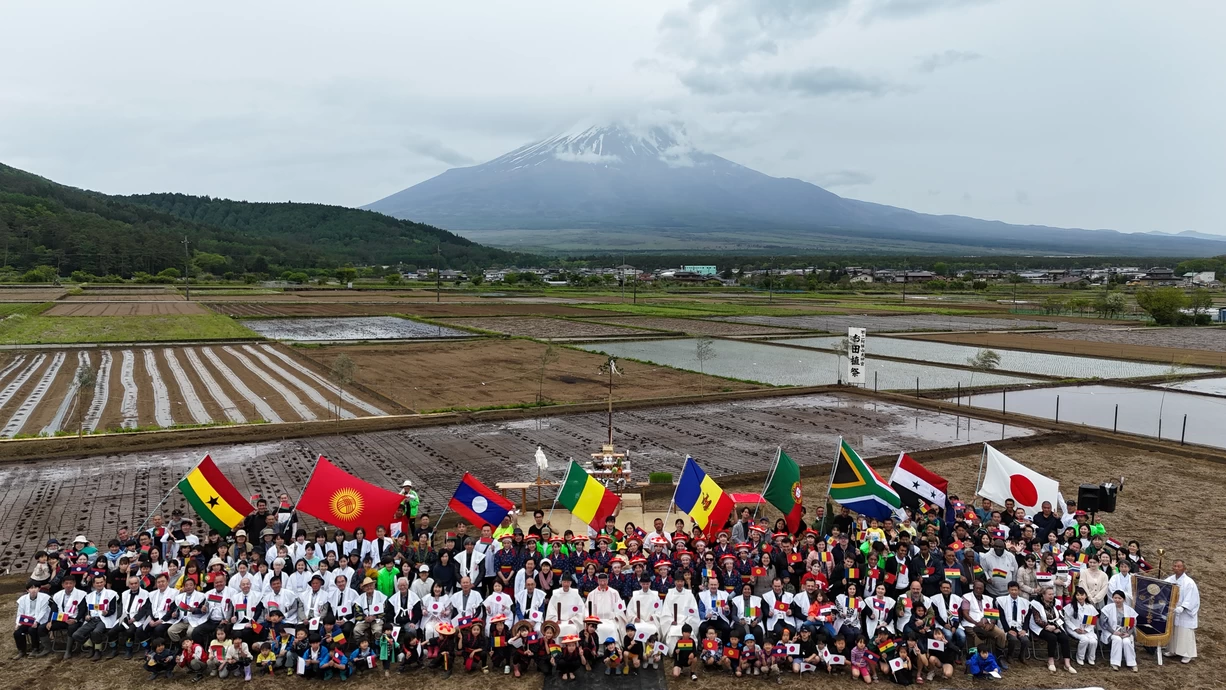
[(1160, 277), (701, 270)]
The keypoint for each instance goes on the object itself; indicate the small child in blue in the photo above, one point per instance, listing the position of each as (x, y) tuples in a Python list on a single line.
[(982, 664)]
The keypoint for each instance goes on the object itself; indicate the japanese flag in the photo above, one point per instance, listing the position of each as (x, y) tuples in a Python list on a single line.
[(1006, 478)]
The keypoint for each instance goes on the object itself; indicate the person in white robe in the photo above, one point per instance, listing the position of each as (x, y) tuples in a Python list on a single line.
[(466, 602), (1187, 614), (498, 603), (566, 604), (644, 606), (607, 604), (1117, 625), (680, 607), (435, 609), (529, 603), (1122, 581), (1079, 625)]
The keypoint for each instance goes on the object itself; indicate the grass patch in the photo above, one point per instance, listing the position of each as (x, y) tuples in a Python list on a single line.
[(31, 330), (28, 309)]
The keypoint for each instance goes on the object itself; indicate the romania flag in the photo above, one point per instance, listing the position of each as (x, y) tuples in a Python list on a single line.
[(213, 497), (699, 495), (583, 496)]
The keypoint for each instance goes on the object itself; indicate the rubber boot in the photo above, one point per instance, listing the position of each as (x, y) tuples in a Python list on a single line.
[(68, 647), (247, 673), (44, 647)]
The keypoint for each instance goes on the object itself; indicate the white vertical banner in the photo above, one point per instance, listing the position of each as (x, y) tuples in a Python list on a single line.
[(855, 356)]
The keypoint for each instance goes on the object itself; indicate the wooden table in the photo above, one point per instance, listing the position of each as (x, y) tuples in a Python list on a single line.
[(523, 487)]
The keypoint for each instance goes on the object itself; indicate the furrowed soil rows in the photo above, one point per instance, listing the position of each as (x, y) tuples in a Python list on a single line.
[(40, 395), (19, 417), (214, 389), (328, 385), (11, 389), (102, 392), (131, 417), (257, 403), (161, 396), (299, 384), (294, 402), (162, 308), (62, 411), (186, 390)]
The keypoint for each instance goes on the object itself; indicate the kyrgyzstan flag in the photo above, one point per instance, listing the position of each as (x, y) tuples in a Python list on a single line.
[(342, 500), (1006, 478)]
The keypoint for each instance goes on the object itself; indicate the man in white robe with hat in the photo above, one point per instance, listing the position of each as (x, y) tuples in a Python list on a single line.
[(606, 603), (566, 604)]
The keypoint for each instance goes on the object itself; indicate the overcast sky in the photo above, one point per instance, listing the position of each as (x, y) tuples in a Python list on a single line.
[(1087, 113)]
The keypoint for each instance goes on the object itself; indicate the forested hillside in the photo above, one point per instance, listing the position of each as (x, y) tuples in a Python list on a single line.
[(43, 223)]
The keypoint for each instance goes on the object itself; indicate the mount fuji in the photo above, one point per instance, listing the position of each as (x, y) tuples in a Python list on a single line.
[(647, 188)]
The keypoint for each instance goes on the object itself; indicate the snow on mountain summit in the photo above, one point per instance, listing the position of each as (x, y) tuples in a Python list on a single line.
[(613, 145)]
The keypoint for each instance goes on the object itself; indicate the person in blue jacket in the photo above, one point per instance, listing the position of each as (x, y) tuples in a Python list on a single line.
[(982, 664)]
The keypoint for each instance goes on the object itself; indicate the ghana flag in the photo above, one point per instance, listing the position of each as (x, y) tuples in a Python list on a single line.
[(783, 490), (215, 499), (585, 497), (857, 486)]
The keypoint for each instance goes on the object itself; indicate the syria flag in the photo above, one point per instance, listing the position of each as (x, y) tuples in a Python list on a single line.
[(914, 483), (1006, 478)]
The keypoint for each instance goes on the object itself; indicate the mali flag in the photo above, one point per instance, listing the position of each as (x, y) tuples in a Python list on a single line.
[(583, 496), (213, 497), (699, 495), (783, 490), (342, 500)]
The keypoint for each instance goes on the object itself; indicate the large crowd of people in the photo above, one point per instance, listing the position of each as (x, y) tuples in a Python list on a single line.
[(901, 601)]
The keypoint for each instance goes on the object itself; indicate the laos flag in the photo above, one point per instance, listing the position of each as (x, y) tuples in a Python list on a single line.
[(478, 503)]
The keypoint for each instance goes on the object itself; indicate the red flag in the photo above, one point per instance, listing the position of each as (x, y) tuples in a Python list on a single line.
[(342, 500)]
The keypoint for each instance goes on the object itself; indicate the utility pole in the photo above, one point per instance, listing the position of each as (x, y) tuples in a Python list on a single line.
[(621, 273), (438, 273), (904, 282), (187, 269)]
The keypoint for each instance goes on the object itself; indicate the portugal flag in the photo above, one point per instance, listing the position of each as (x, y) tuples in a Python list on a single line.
[(783, 490), (342, 500), (215, 499)]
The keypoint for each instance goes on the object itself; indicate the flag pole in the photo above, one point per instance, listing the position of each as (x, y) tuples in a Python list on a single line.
[(833, 468), (769, 475), (168, 493), (982, 455), (673, 500), (555, 497)]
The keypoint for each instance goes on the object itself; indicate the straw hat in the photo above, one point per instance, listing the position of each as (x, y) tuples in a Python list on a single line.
[(550, 625), (445, 629), (521, 626)]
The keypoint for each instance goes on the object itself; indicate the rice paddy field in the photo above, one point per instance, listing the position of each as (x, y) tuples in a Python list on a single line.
[(789, 366), (163, 387), (356, 328), (1062, 366)]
